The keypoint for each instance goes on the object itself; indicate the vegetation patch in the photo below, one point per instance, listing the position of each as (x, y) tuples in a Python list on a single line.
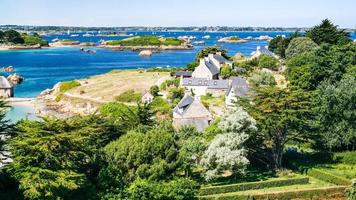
[(147, 40), (251, 186), (129, 96), (328, 177), (65, 86)]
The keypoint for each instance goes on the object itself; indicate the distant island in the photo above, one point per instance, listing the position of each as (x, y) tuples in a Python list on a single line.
[(56, 29), (12, 39), (147, 42)]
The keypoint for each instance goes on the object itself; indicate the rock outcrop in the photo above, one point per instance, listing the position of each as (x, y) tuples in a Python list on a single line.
[(145, 53), (15, 79)]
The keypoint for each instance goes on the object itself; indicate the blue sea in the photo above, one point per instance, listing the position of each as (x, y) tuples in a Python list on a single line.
[(45, 67)]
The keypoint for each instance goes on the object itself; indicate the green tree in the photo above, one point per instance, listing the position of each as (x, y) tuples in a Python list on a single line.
[(226, 72), (268, 62), (54, 158), (327, 32), (12, 36), (154, 90), (336, 113), (279, 44), (262, 78), (151, 155), (282, 115), (300, 45)]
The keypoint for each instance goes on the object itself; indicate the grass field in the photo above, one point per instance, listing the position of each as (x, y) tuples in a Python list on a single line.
[(108, 86)]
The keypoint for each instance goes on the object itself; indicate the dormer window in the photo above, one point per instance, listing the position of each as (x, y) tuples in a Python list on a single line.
[(206, 82), (215, 83), (200, 82), (189, 82)]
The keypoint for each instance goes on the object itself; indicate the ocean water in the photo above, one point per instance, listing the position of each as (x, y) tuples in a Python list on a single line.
[(43, 68)]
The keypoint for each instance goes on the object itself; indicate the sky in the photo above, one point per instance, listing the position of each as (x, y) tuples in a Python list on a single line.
[(257, 13)]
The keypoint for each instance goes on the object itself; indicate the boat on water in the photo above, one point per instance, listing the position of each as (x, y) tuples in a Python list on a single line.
[(199, 42), (206, 37), (87, 51), (87, 35), (55, 40), (74, 35)]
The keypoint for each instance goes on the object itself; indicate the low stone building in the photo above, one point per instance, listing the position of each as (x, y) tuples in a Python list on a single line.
[(191, 112), (262, 50), (6, 88), (202, 86)]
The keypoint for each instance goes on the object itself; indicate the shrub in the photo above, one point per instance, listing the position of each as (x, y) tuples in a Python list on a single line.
[(268, 62), (328, 177), (350, 192), (251, 186), (348, 158), (168, 83), (262, 78), (129, 96), (65, 86), (175, 94), (160, 105), (154, 90), (180, 189), (300, 45), (327, 193), (59, 97)]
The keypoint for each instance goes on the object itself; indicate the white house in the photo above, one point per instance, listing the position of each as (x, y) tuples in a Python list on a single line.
[(262, 50), (191, 112), (206, 70), (218, 60), (147, 97), (6, 88), (238, 88), (202, 86)]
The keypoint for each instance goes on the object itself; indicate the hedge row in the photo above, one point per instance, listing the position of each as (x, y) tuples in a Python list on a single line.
[(328, 192), (251, 186), (328, 177)]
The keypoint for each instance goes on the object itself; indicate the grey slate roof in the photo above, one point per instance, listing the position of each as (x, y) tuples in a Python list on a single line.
[(264, 51), (212, 84), (221, 59), (212, 68), (185, 101), (4, 83), (239, 86), (183, 73)]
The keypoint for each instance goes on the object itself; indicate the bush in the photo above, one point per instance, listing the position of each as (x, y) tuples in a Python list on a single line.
[(154, 90), (160, 105), (328, 177), (350, 192), (65, 86), (129, 96), (268, 62), (176, 94), (180, 189), (327, 193), (348, 157), (33, 40), (251, 186), (262, 78), (168, 83), (300, 45)]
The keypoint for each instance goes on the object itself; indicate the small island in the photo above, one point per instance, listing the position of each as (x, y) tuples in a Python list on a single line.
[(147, 42), (232, 39), (13, 40)]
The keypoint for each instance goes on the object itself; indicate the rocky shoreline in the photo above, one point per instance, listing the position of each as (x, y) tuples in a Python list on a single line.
[(19, 47)]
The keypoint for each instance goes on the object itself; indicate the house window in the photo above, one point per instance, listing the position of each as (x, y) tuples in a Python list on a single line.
[(205, 82), (215, 83), (200, 82), (189, 82)]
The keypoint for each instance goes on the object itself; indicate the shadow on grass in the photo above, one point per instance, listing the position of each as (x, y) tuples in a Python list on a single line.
[(303, 161)]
